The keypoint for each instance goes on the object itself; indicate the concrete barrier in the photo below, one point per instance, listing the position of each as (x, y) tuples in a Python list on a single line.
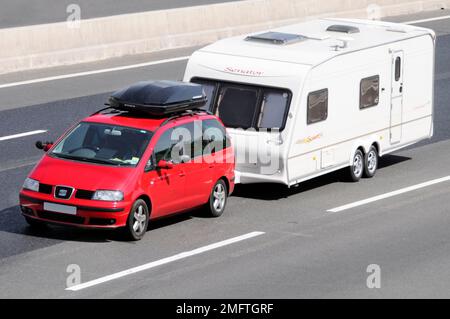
[(56, 44)]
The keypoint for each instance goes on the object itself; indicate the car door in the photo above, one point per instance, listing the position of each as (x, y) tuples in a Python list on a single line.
[(198, 173), (165, 186)]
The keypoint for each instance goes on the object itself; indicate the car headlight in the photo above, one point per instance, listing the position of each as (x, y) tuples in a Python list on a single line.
[(110, 196), (31, 184)]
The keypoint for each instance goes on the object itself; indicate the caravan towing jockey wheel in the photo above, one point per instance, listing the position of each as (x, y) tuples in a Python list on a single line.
[(137, 221), (357, 167), (217, 199), (371, 162)]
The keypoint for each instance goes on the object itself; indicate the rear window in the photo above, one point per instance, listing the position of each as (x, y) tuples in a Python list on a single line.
[(246, 106)]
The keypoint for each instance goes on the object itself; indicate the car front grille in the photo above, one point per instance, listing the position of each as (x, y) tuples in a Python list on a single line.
[(58, 217), (45, 188), (84, 194)]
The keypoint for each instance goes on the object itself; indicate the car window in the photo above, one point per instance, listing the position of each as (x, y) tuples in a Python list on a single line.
[(177, 142), (214, 137)]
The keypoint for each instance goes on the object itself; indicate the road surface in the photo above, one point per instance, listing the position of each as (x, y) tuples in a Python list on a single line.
[(300, 250)]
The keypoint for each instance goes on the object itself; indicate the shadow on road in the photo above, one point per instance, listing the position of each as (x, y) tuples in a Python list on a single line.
[(11, 221), (271, 191)]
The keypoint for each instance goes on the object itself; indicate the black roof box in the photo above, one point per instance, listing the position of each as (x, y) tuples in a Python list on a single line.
[(159, 98)]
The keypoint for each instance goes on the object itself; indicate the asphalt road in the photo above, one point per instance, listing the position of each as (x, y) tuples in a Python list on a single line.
[(305, 251), (17, 13)]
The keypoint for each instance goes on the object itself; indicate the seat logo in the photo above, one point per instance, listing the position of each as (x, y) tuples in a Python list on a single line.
[(63, 192)]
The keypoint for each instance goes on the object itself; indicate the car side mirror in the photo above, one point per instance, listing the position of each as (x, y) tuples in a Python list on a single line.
[(44, 146), (165, 164), (185, 158)]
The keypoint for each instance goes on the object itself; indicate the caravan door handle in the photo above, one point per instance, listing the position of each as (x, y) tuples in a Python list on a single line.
[(401, 89)]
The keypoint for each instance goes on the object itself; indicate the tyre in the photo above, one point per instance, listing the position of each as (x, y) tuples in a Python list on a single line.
[(217, 199), (371, 162), (34, 223), (356, 170), (137, 221)]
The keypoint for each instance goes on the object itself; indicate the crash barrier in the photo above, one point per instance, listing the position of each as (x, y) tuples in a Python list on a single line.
[(71, 42)]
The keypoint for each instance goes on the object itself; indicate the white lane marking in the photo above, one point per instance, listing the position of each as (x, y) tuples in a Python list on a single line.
[(79, 74), (427, 20), (10, 137), (164, 261), (390, 194)]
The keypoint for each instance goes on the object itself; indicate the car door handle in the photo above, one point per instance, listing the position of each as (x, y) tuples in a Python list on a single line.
[(182, 174)]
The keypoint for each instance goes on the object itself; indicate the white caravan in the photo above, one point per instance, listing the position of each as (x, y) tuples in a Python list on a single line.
[(333, 93)]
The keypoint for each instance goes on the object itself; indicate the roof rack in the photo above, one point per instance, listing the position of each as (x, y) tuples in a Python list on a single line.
[(159, 98), (186, 113), (343, 28), (279, 38)]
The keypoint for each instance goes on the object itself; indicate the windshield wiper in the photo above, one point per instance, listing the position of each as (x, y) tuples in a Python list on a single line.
[(88, 159)]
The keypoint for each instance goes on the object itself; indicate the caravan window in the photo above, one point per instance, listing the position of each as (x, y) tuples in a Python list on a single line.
[(398, 68), (369, 92), (247, 106), (237, 106), (317, 106), (273, 109), (210, 90)]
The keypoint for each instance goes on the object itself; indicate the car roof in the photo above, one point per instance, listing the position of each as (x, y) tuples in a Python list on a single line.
[(139, 121)]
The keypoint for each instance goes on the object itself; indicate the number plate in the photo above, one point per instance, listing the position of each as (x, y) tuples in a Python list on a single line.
[(57, 208)]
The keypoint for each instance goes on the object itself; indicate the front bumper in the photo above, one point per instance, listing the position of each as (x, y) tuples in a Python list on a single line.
[(88, 215)]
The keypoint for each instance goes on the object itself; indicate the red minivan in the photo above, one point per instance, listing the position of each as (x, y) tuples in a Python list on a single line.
[(152, 153)]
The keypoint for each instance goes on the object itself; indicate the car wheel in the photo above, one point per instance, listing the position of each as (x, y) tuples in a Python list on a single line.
[(371, 162), (34, 223), (217, 199), (357, 168), (137, 220)]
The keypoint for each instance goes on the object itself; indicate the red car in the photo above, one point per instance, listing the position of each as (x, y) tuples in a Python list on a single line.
[(133, 162)]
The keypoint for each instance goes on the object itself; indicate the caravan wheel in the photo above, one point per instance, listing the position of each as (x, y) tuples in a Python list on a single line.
[(356, 170), (371, 162)]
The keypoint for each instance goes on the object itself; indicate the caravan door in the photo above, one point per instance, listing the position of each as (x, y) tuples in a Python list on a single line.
[(396, 97)]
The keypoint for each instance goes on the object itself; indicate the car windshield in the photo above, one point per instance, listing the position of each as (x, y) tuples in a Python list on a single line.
[(103, 144)]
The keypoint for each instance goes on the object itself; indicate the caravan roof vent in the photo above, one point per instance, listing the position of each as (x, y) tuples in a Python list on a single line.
[(276, 38), (342, 28)]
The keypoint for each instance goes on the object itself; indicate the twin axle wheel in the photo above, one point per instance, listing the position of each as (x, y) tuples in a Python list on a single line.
[(364, 164)]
